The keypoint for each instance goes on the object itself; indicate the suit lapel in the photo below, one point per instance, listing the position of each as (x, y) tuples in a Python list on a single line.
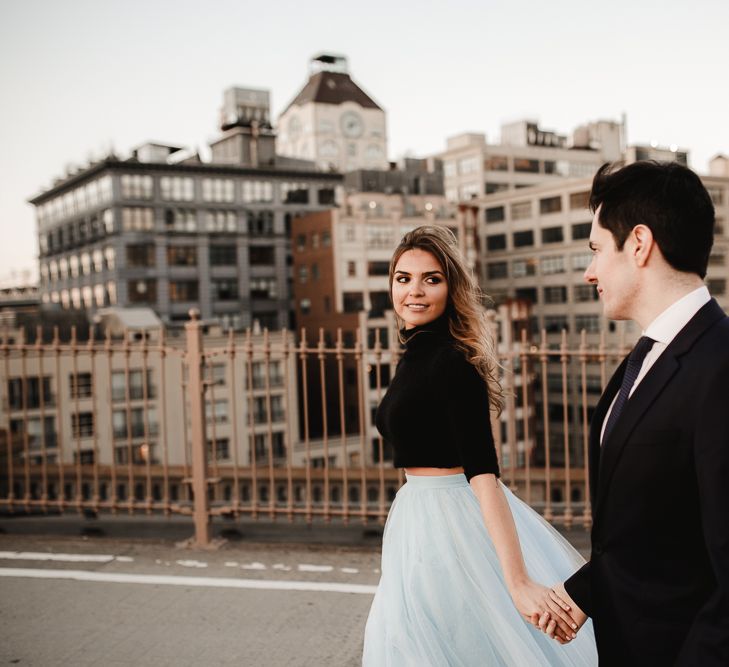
[(644, 395)]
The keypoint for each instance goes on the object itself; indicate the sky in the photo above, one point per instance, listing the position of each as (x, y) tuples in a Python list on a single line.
[(81, 77)]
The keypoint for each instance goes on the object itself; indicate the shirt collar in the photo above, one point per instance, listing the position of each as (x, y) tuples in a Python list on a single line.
[(666, 326)]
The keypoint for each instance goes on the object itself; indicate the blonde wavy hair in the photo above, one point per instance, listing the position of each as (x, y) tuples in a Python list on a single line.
[(466, 314)]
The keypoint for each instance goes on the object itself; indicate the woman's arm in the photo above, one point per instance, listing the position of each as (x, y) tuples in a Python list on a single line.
[(530, 598)]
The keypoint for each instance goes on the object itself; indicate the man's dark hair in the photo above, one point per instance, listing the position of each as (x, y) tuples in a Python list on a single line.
[(666, 197)]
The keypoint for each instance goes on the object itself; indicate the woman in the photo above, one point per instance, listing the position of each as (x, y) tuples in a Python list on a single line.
[(461, 555)]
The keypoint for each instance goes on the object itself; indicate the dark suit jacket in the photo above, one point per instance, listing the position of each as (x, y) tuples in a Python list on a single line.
[(657, 583)]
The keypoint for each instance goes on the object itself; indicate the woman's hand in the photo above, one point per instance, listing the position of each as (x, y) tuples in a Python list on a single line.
[(559, 595), (544, 609)]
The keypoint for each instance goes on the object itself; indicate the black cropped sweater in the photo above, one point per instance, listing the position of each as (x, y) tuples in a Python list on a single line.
[(435, 413)]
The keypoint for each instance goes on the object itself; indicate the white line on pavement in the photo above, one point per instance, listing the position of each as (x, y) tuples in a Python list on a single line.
[(69, 558), (172, 580)]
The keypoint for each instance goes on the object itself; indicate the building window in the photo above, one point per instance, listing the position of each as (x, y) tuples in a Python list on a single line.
[(136, 186), (177, 188), (260, 223), (183, 290), (181, 220), (141, 254), (34, 430), (556, 323), (131, 424), (223, 255), (217, 412), (583, 293), (224, 290), (219, 449), (495, 214), (496, 163), (526, 294), (495, 270), (182, 255), (142, 291), (261, 255), (525, 165), (137, 219), (717, 259), (554, 264), (353, 302), (490, 188), (263, 288), (588, 323), (217, 190), (717, 286), (326, 239), (523, 239), (496, 242), (136, 385), (555, 294), (305, 306), (581, 231), (351, 269), (579, 200), (378, 268), (580, 261), (33, 387), (523, 267), (552, 235), (257, 192), (379, 303), (521, 210), (315, 271), (221, 221), (326, 196), (82, 424), (295, 193), (550, 205)]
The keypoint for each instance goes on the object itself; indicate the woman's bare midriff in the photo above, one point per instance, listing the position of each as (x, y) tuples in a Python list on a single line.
[(432, 472)]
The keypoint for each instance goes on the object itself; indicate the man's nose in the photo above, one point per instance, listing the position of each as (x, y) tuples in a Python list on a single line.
[(589, 274)]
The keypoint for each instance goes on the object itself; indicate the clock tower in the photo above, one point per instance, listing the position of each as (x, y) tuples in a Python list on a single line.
[(333, 122)]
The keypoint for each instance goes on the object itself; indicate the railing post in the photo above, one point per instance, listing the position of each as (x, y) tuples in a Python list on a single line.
[(196, 388)]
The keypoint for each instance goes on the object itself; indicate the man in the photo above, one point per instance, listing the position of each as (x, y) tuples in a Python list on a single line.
[(657, 583)]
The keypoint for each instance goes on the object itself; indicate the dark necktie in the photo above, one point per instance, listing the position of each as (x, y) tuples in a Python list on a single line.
[(635, 361)]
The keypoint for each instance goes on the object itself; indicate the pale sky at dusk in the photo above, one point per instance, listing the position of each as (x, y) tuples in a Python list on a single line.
[(80, 76)]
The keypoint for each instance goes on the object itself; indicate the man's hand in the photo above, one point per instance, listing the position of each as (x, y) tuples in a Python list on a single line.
[(560, 596), (538, 605)]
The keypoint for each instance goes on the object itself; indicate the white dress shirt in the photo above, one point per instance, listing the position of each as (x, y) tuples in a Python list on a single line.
[(663, 330)]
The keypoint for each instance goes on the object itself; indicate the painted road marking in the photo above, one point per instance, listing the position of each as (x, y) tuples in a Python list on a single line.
[(173, 580)]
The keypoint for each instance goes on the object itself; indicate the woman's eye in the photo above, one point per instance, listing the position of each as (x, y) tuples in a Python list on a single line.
[(433, 280), (402, 279)]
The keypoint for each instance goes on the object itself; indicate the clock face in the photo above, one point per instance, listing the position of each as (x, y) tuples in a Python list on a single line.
[(352, 124)]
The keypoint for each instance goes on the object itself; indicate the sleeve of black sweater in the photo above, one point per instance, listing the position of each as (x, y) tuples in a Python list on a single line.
[(467, 409)]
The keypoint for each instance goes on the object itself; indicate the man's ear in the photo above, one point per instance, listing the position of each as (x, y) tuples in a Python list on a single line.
[(643, 244)]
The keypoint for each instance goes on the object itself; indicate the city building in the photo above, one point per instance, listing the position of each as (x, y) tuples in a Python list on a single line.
[(166, 230), (124, 401), (526, 155), (333, 122)]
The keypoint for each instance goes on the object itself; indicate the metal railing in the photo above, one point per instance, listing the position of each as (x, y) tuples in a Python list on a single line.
[(263, 426)]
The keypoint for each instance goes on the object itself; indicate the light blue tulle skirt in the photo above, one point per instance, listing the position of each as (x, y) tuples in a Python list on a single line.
[(442, 600)]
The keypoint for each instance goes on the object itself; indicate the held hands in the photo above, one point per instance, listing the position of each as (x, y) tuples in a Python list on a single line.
[(549, 626), (547, 610)]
